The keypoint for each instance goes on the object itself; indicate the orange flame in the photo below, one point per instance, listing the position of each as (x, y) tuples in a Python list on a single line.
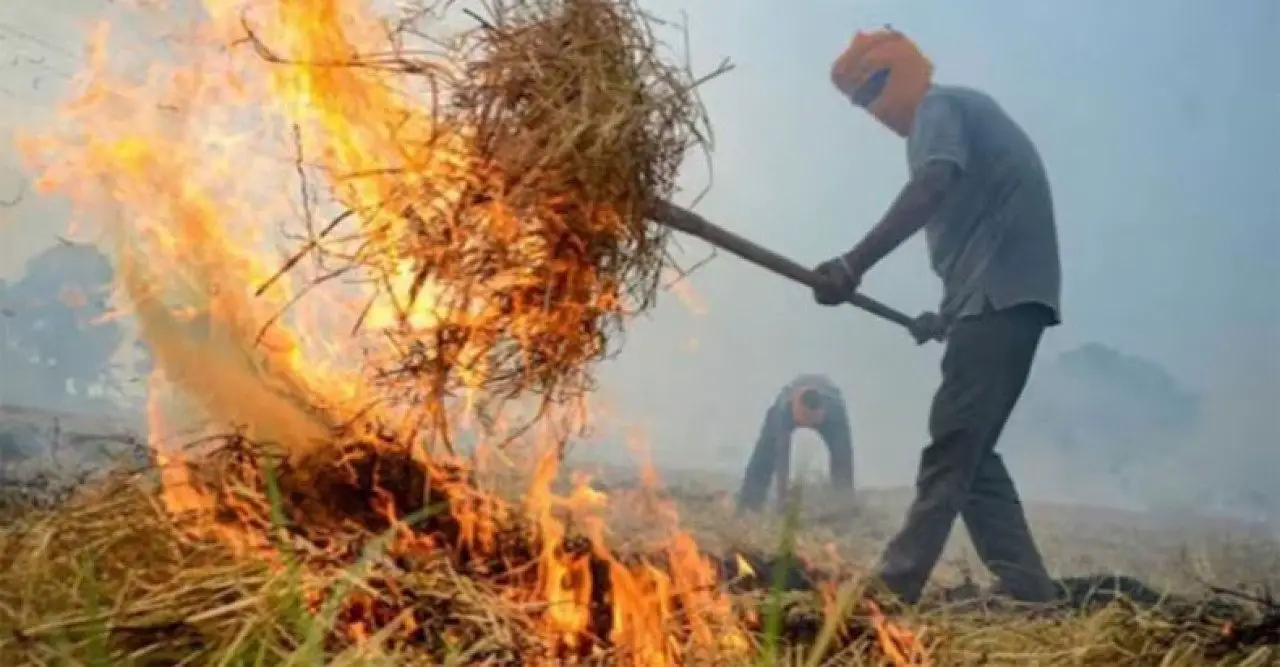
[(900, 645), (176, 168)]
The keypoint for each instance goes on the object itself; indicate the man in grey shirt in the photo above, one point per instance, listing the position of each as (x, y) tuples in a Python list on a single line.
[(979, 190), (809, 401)]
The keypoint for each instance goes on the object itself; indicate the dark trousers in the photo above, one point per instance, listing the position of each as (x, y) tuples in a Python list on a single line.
[(774, 442), (984, 369)]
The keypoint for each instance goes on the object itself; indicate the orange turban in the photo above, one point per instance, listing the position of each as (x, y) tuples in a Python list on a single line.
[(910, 75)]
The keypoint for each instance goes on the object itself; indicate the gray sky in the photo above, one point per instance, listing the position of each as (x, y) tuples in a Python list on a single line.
[(1159, 121)]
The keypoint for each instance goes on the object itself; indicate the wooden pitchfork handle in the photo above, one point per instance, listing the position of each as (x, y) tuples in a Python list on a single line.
[(669, 215)]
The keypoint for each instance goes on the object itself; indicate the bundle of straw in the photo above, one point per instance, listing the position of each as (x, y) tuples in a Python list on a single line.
[(574, 124)]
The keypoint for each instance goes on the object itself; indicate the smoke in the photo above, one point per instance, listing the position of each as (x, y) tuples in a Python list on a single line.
[(1101, 427), (798, 171), (1229, 463)]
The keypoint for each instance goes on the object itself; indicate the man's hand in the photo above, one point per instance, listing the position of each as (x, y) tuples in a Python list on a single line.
[(919, 200), (927, 327), (839, 280)]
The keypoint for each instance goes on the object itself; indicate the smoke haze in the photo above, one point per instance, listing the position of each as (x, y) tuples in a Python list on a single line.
[(1159, 124)]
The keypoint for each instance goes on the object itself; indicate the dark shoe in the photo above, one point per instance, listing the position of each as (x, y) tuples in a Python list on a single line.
[(879, 593), (1042, 593)]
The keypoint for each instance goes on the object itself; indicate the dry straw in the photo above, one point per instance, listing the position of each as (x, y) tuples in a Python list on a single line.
[(108, 578), (565, 122), (574, 125)]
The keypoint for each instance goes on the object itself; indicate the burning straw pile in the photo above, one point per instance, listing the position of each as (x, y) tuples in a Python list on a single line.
[(106, 580), (496, 195), (504, 218), (509, 231), (512, 233)]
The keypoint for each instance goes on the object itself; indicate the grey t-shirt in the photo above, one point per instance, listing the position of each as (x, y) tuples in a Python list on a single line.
[(994, 242)]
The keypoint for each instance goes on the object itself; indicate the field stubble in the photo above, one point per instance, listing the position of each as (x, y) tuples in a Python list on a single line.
[(107, 578)]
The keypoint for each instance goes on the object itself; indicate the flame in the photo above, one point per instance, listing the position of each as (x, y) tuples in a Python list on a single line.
[(900, 645), (175, 166), (394, 307)]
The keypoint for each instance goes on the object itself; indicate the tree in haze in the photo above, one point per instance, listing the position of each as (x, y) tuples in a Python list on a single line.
[(58, 341), (1111, 408)]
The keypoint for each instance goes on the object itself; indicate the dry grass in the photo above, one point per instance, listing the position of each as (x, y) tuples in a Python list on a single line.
[(110, 578), (520, 201)]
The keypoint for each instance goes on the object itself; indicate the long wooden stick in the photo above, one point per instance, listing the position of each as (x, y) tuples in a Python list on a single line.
[(678, 218)]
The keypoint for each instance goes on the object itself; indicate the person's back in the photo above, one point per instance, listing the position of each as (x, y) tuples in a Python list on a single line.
[(993, 242), (810, 401), (810, 381)]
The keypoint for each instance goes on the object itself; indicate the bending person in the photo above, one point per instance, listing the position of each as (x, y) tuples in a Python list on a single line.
[(809, 401)]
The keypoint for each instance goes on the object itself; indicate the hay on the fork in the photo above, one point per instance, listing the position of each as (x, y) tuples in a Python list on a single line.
[(563, 122)]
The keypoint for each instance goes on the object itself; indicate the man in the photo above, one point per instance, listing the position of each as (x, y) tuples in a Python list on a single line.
[(809, 401), (979, 190)]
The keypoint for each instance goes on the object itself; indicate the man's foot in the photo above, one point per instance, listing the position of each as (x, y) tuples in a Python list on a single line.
[(878, 592), (1044, 592)]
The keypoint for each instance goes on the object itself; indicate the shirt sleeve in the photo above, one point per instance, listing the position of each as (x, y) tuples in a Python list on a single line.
[(938, 134)]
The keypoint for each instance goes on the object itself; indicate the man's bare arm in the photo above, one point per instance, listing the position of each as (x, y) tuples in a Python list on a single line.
[(915, 205)]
